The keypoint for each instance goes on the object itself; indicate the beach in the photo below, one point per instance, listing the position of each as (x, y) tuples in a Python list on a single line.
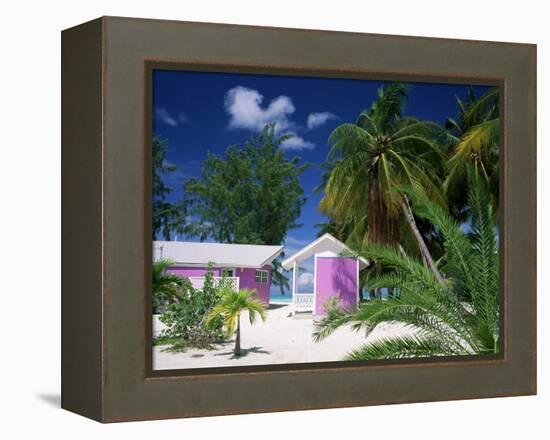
[(281, 339)]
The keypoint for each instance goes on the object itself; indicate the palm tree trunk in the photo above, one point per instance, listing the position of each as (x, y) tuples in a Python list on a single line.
[(238, 338), (423, 248), (424, 261)]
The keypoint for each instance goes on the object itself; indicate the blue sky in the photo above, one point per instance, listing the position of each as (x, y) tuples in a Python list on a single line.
[(198, 112)]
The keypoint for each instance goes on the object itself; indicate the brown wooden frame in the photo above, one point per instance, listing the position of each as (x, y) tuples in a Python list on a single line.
[(106, 214)]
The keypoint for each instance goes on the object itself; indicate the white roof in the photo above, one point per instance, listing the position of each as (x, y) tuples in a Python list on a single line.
[(219, 254), (326, 244)]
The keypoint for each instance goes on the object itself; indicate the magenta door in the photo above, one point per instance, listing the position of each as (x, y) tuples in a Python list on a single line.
[(338, 277)]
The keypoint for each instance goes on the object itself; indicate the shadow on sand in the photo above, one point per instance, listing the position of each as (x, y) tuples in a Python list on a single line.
[(244, 352), (277, 306)]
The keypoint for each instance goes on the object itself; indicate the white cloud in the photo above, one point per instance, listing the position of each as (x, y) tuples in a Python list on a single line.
[(305, 279), (173, 121), (166, 117), (315, 120), (245, 110), (244, 107), (297, 143)]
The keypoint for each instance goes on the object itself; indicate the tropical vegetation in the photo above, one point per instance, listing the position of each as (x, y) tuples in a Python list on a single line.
[(185, 316), (167, 287), (252, 195), (168, 216), (387, 171), (419, 199), (457, 317), (230, 309), (475, 137), (370, 159)]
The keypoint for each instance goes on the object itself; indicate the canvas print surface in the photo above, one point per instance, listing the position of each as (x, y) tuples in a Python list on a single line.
[(300, 219)]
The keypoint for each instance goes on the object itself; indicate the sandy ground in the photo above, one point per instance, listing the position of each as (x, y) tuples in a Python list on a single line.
[(281, 339)]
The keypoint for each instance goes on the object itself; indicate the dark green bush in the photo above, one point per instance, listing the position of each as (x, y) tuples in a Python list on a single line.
[(186, 318)]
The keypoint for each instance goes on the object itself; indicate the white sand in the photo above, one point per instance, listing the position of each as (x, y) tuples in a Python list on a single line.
[(281, 339)]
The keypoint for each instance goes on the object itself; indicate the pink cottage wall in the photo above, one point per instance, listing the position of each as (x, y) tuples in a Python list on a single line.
[(336, 276), (248, 281), (247, 278)]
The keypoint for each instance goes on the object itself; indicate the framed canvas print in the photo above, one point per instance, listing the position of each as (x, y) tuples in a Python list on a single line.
[(322, 219)]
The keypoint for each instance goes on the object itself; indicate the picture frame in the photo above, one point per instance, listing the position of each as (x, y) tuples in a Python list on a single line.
[(106, 219)]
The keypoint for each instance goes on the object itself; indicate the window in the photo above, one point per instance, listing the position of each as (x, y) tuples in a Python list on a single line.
[(228, 272), (261, 276)]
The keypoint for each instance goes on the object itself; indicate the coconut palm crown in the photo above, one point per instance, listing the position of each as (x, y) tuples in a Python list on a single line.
[(382, 151), (458, 317), (475, 136)]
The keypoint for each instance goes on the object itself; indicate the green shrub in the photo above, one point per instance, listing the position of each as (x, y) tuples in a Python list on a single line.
[(186, 319)]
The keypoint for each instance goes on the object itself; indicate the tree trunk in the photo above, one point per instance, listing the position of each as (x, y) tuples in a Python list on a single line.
[(238, 338), (424, 261), (423, 248)]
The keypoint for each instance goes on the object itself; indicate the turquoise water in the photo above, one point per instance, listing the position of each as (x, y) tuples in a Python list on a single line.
[(280, 298)]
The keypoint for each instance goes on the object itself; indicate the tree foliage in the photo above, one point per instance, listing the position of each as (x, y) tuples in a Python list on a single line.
[(186, 316), (167, 287), (167, 216), (230, 308), (458, 317), (369, 160), (475, 136), (252, 195)]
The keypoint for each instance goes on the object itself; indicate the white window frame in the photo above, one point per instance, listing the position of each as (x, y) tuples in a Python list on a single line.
[(260, 272)]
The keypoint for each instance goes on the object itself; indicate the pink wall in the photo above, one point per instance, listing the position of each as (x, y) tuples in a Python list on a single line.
[(336, 276), (248, 281), (247, 278)]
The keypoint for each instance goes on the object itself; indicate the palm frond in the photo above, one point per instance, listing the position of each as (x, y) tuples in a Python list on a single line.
[(233, 303), (334, 318), (394, 259), (456, 244), (485, 265), (482, 109), (348, 139), (401, 347), (457, 316), (476, 142)]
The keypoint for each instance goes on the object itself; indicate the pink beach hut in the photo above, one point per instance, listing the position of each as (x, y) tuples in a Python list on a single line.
[(335, 274), (246, 266)]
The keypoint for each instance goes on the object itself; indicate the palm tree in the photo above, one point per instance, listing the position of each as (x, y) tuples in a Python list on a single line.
[(476, 138), (459, 317), (167, 287), (231, 306), (371, 159)]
